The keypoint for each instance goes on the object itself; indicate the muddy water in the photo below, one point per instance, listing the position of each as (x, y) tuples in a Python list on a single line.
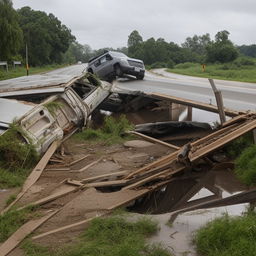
[(178, 237)]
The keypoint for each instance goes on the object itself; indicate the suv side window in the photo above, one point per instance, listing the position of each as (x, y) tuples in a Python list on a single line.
[(97, 63), (103, 59)]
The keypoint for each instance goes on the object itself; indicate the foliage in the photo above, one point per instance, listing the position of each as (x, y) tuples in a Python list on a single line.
[(197, 43), (47, 38), (53, 106), (228, 236), (112, 236), (12, 220), (112, 131), (12, 177), (14, 152), (245, 166), (248, 50), (236, 147), (10, 31), (222, 49)]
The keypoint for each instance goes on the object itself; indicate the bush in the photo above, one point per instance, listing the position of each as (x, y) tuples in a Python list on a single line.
[(244, 62), (15, 153), (245, 166), (186, 65), (228, 236), (170, 64), (158, 65)]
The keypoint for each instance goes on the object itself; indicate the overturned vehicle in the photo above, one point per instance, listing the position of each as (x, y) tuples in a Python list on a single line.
[(52, 111)]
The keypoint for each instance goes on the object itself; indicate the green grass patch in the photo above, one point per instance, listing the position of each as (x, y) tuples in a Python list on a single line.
[(236, 147), (112, 236), (13, 219), (228, 236), (16, 157), (230, 71), (112, 131), (245, 166), (10, 199), (12, 178), (21, 71)]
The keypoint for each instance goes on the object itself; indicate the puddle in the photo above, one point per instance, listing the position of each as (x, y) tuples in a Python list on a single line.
[(178, 237)]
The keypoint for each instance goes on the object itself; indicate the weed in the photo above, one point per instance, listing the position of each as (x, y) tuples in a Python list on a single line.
[(10, 199), (15, 153), (113, 236), (236, 147), (53, 106), (245, 166), (112, 131), (12, 220), (12, 178), (228, 236)]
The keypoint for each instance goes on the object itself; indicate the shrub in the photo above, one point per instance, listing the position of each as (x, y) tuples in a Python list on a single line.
[(185, 65), (245, 166)]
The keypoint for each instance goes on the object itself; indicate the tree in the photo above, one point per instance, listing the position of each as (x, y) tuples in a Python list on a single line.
[(134, 39), (222, 50), (46, 37), (10, 31), (197, 44)]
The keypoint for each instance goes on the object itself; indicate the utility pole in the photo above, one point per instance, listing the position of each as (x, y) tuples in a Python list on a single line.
[(27, 67)]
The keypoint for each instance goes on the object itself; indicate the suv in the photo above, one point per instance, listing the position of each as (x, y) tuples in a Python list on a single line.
[(111, 64)]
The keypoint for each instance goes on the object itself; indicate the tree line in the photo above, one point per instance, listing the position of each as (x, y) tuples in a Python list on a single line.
[(49, 41)]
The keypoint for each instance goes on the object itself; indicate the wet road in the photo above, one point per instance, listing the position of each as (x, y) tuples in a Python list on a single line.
[(236, 95)]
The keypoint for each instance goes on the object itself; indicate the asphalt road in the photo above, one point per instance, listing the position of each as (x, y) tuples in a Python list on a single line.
[(236, 95)]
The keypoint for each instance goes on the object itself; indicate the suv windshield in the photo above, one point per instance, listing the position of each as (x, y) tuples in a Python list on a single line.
[(118, 54)]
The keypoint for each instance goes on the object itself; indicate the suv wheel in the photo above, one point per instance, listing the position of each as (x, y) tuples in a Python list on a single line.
[(140, 76), (118, 71)]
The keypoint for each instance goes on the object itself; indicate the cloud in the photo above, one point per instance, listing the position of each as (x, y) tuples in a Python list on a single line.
[(102, 23)]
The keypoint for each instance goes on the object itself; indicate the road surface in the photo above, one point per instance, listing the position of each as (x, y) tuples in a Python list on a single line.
[(236, 95)]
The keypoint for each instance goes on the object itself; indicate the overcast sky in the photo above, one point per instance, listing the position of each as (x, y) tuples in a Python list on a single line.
[(107, 23)]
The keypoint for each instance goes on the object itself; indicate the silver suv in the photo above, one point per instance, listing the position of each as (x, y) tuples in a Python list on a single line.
[(111, 64)]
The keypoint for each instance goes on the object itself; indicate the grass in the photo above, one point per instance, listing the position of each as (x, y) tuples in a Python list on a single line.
[(236, 147), (16, 157), (245, 166), (12, 220), (21, 71), (228, 236), (112, 131), (229, 71), (112, 236)]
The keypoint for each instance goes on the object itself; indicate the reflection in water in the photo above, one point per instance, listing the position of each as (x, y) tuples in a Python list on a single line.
[(182, 193)]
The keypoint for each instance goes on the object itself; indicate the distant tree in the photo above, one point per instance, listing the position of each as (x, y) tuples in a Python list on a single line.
[(10, 31), (222, 50), (46, 37), (134, 43), (134, 39), (248, 50), (197, 44)]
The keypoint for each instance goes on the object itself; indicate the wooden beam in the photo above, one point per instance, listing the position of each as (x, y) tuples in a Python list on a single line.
[(35, 174), (151, 139), (194, 104), (22, 233), (88, 166)]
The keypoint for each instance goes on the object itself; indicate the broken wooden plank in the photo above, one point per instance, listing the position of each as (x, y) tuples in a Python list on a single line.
[(151, 139), (103, 176), (64, 169), (219, 101), (88, 166), (35, 174), (22, 233), (52, 197), (194, 104), (243, 197), (78, 160)]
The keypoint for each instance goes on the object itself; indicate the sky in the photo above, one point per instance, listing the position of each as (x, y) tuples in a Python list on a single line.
[(108, 23)]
